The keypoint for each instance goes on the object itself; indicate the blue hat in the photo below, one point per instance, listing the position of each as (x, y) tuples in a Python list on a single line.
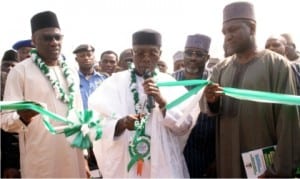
[(22, 43)]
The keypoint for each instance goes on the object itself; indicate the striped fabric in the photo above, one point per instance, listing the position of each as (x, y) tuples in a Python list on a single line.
[(199, 151)]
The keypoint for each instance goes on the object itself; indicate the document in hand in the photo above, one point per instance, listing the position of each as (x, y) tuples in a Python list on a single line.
[(257, 161)]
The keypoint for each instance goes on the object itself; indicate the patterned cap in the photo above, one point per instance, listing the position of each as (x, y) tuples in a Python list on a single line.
[(198, 41)]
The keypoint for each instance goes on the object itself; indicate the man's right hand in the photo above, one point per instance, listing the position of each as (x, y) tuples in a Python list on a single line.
[(210, 92), (126, 122), (26, 115), (130, 120)]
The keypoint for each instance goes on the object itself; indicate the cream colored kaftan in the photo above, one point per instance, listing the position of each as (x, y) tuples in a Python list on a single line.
[(42, 154)]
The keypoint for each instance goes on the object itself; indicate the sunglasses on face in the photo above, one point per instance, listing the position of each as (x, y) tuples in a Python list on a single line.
[(198, 54), (50, 38), (128, 60)]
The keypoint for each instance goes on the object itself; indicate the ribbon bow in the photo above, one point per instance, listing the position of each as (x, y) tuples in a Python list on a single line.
[(80, 127)]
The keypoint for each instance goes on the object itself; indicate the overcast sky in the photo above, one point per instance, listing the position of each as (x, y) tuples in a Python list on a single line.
[(109, 24)]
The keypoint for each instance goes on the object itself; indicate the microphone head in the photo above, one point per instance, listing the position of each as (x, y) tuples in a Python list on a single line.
[(148, 74)]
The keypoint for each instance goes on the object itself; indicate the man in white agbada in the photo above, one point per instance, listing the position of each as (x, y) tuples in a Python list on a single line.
[(42, 154), (122, 99)]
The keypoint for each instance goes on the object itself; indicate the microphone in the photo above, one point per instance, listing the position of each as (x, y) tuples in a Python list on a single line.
[(150, 98)]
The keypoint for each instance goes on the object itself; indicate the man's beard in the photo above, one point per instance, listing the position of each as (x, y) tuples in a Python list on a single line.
[(192, 70)]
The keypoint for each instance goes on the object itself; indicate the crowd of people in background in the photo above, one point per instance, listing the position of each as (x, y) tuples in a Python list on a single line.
[(208, 144)]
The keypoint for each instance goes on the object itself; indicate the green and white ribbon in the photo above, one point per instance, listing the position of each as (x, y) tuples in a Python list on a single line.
[(242, 94), (64, 96), (261, 96), (199, 85), (139, 148), (82, 130)]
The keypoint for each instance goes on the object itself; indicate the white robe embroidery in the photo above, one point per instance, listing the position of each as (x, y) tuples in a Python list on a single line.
[(114, 97)]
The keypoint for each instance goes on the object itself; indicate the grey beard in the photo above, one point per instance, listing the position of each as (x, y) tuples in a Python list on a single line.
[(189, 70)]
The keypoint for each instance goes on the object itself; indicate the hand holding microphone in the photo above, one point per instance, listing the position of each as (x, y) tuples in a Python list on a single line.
[(148, 84), (152, 91)]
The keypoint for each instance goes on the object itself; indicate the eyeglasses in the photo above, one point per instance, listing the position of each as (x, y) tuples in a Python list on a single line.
[(291, 45), (50, 38), (198, 54), (128, 60)]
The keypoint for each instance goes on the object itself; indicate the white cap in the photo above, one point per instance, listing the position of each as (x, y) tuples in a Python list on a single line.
[(179, 55)]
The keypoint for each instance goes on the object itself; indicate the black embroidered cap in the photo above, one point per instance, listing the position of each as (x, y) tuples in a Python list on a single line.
[(146, 37), (44, 20)]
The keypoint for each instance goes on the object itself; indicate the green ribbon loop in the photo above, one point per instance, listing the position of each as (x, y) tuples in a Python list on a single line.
[(183, 97), (82, 128), (200, 84)]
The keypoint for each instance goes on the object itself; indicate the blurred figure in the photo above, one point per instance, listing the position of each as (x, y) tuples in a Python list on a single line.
[(276, 44), (10, 154), (126, 59), (108, 62), (178, 61), (23, 48), (3, 80), (291, 52), (210, 64), (9, 60), (294, 56), (162, 66)]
